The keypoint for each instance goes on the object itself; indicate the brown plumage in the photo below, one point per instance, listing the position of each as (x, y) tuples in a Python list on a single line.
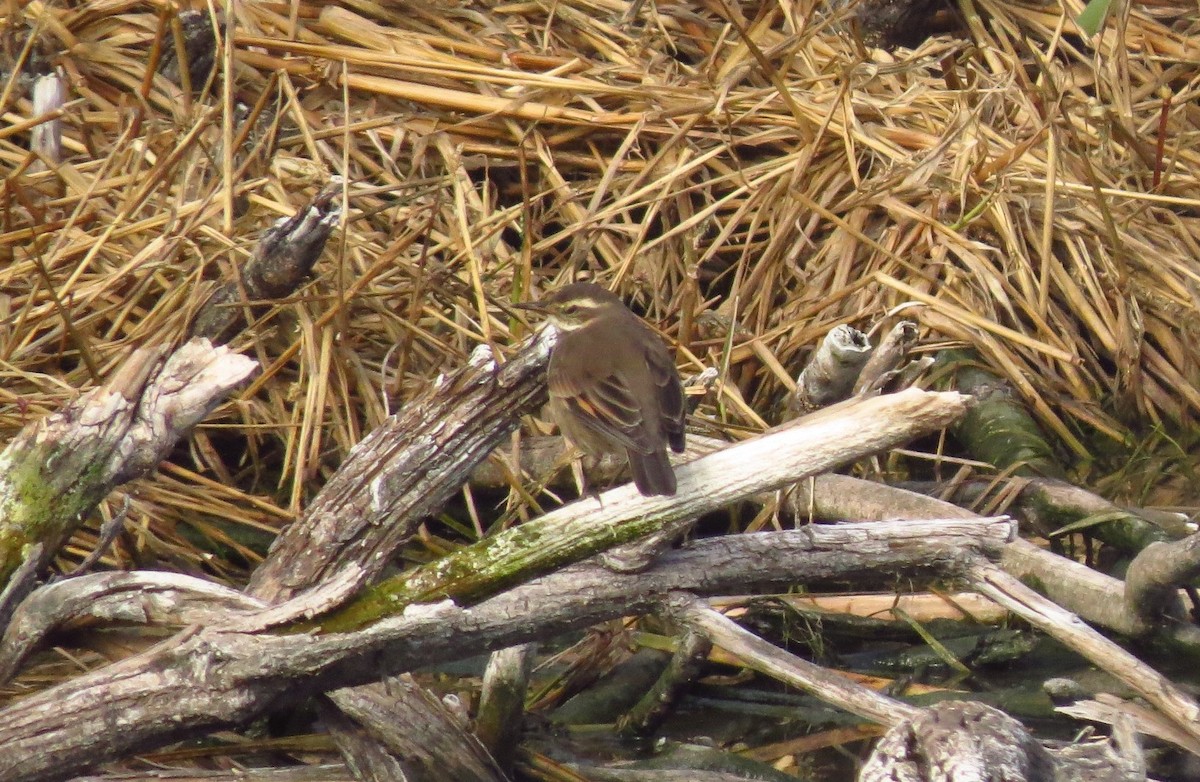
[(613, 385)]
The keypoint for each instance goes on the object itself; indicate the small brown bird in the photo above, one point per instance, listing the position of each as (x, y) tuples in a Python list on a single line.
[(613, 385)]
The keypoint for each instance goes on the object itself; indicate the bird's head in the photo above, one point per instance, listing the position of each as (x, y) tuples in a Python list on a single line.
[(575, 306)]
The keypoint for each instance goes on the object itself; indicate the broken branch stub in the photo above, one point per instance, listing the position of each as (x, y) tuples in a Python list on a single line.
[(283, 258)]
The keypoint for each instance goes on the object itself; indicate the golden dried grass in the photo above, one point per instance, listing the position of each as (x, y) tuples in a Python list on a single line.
[(745, 162)]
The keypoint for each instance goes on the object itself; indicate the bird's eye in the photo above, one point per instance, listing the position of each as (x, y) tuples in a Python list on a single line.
[(570, 309)]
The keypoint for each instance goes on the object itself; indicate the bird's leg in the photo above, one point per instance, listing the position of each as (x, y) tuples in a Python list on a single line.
[(575, 457), (577, 470)]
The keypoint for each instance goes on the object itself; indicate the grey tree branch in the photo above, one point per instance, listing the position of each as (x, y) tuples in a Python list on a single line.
[(1154, 577), (888, 358), (1064, 626), (501, 714), (395, 711), (153, 598), (218, 676), (769, 659), (953, 740), (832, 370), (403, 472), (1075, 591), (813, 445), (282, 260)]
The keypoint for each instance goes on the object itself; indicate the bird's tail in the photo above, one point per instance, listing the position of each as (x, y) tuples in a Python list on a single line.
[(652, 472)]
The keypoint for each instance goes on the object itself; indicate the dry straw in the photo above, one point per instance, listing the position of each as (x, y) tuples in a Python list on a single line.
[(1034, 193)]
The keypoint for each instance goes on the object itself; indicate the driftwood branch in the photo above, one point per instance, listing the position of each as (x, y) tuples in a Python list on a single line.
[(343, 539), (659, 701), (955, 740), (769, 659), (832, 371), (147, 598), (217, 676), (1065, 627), (958, 740), (220, 676), (813, 445), (54, 473), (889, 360), (1154, 578), (499, 720), (1075, 591), (403, 472), (393, 713)]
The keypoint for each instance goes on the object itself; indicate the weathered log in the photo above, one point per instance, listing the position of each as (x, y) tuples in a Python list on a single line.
[(500, 718), (1155, 577), (403, 472), (417, 733), (832, 371), (811, 446), (219, 676)]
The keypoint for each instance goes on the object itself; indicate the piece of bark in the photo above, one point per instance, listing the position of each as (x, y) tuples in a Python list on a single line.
[(1094, 596), (365, 756), (501, 715), (1129, 717), (56, 470), (834, 497), (282, 260), (213, 676), (392, 481)]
